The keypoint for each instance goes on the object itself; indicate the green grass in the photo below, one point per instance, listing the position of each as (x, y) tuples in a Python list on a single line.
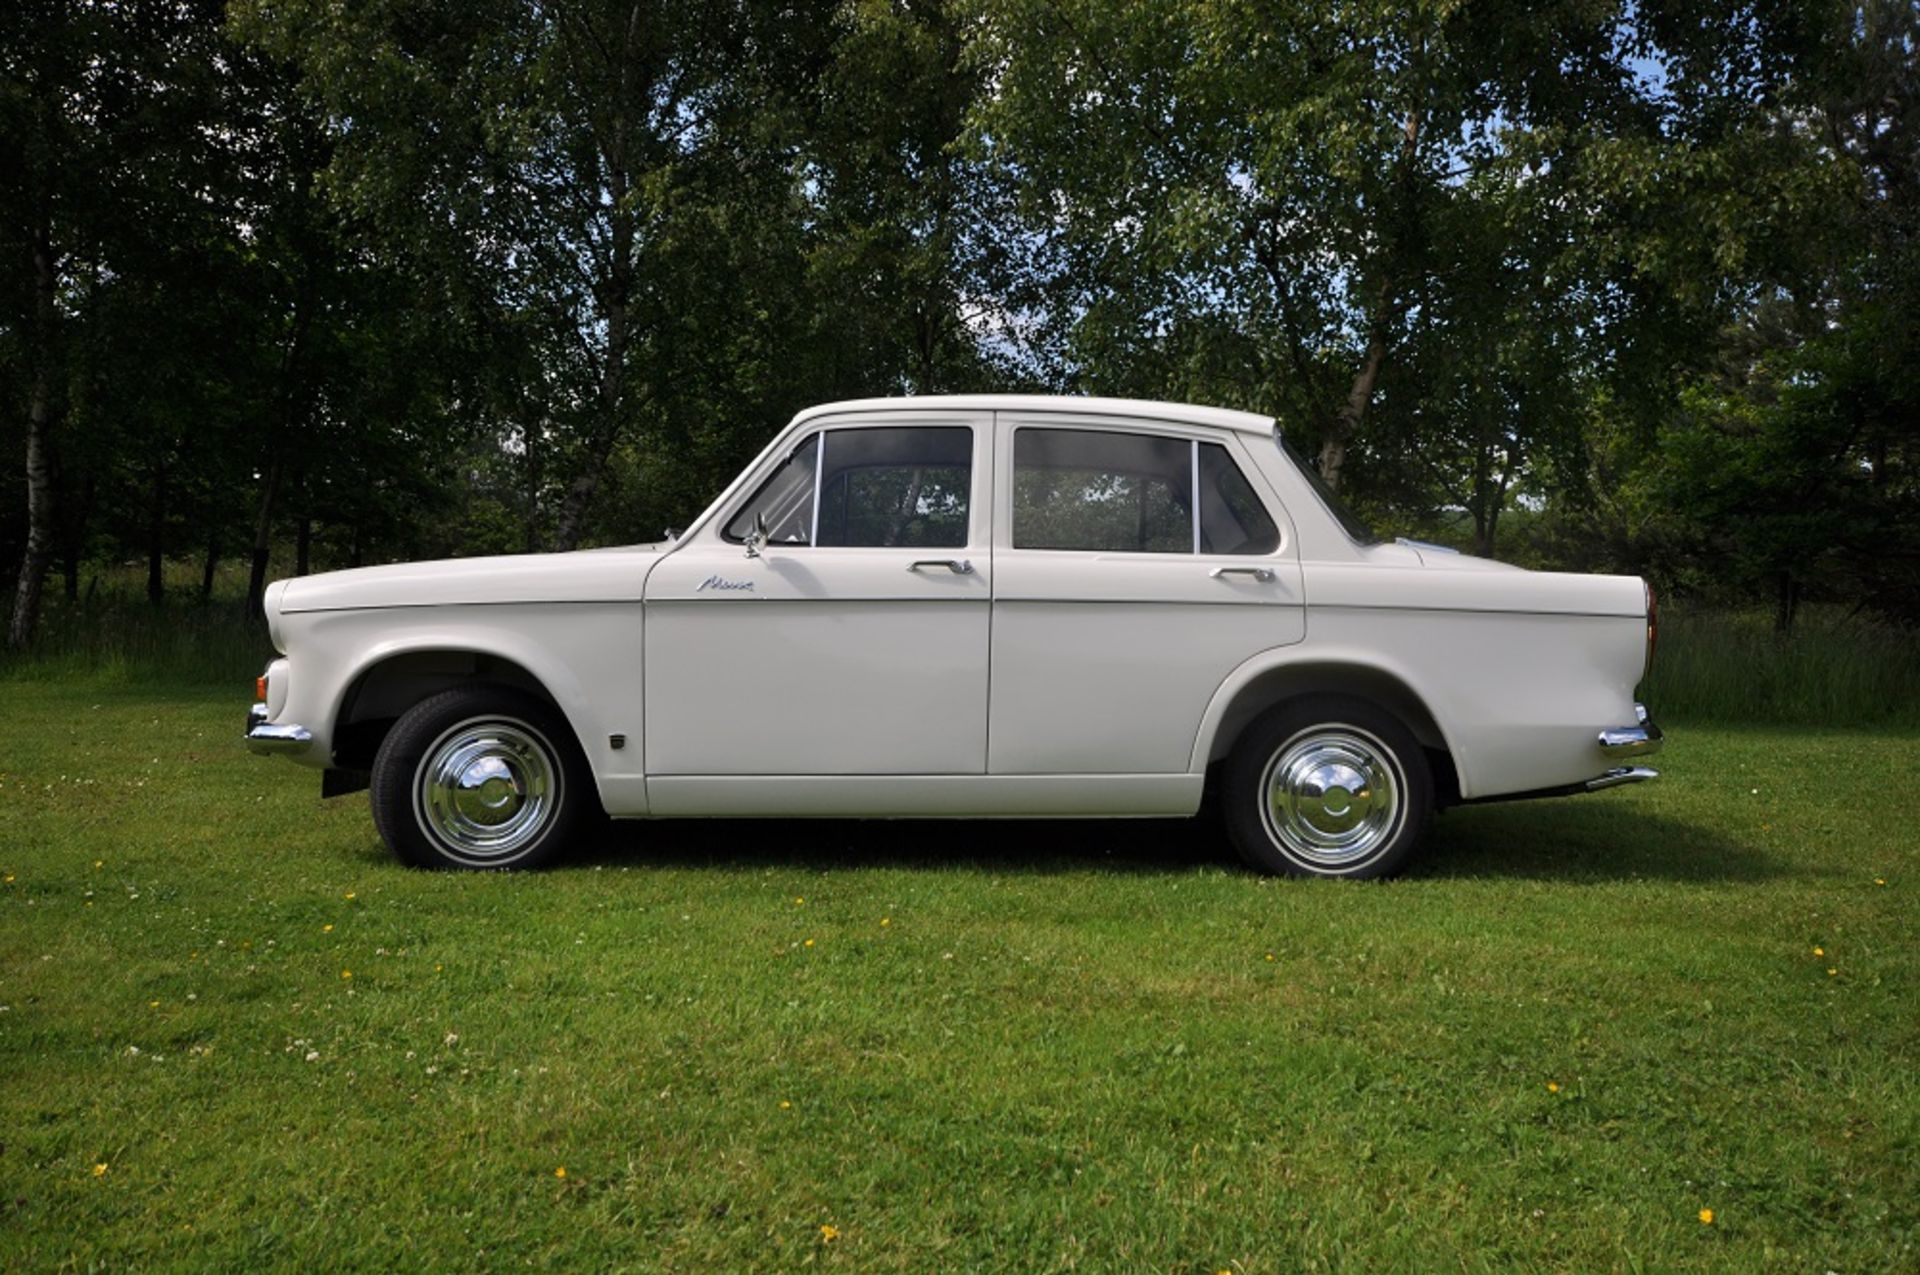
[(1008, 1047)]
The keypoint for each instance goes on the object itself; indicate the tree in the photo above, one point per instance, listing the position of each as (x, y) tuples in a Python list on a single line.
[(102, 166), (1390, 225), (556, 156)]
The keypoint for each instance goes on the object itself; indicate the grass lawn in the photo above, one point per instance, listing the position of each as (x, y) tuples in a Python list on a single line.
[(232, 1031)]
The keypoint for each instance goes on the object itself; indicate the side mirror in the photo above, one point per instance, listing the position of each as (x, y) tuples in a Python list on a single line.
[(757, 535)]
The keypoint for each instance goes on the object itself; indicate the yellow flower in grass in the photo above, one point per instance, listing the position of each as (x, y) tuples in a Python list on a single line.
[(785, 1105), (1706, 1217), (100, 1170), (560, 1171), (1876, 880), (1553, 1086), (886, 920), (828, 1234), (346, 973), (327, 928), (809, 943), (1819, 951)]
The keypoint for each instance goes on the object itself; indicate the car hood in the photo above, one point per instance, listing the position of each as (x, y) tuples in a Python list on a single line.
[(590, 575)]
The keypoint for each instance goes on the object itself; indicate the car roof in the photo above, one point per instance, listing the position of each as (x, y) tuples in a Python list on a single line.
[(1221, 417)]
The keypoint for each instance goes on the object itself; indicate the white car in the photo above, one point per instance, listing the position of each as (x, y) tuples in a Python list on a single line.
[(968, 607)]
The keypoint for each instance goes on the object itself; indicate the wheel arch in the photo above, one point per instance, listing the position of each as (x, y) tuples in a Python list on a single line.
[(391, 678), (1275, 677)]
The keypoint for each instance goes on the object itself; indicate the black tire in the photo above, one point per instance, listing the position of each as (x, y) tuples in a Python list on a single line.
[(517, 756), (1317, 738)]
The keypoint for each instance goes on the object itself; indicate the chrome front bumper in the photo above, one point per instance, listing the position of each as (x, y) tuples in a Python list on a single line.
[(265, 738)]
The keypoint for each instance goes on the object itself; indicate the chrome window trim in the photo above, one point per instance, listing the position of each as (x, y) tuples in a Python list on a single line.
[(819, 459)]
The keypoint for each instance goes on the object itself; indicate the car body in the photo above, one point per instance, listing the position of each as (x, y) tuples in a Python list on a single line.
[(971, 606)]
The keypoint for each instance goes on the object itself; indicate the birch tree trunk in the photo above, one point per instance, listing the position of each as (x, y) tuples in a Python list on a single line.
[(39, 551)]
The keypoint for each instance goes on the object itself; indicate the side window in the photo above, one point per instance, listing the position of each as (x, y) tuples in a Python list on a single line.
[(1232, 519), (905, 487), (1101, 491), (886, 487)]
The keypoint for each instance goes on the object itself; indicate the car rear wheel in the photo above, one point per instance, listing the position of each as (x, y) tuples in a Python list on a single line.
[(478, 777), (1327, 786)]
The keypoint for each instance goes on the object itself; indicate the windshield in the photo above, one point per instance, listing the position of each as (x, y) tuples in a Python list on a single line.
[(1349, 521)]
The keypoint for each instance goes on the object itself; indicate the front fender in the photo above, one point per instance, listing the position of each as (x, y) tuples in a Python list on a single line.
[(586, 657)]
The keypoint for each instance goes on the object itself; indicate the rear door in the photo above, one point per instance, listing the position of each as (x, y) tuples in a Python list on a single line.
[(1136, 564)]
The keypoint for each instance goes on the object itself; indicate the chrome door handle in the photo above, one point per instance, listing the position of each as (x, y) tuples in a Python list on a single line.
[(1262, 574), (959, 566)]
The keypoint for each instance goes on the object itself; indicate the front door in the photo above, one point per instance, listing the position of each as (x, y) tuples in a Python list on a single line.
[(855, 641)]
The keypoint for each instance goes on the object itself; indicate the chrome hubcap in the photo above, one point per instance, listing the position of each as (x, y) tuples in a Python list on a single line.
[(487, 789), (1332, 796)]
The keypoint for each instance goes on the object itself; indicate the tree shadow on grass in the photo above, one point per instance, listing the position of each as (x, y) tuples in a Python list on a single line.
[(1575, 840), (1170, 846), (1584, 839)]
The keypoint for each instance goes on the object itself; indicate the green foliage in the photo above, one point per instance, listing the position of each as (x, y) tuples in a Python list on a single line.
[(1832, 669), (1599, 286), (1575, 1026), (112, 635)]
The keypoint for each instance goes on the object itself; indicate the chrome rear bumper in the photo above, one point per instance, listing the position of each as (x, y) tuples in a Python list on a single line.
[(1621, 775), (1642, 740), (266, 738)]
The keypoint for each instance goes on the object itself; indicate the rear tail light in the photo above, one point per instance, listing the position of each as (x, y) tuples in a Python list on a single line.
[(1653, 628), (260, 687)]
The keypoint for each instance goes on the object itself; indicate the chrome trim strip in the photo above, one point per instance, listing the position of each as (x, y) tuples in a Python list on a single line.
[(819, 460), (1570, 615), (265, 738), (502, 602), (1622, 775), (1193, 475)]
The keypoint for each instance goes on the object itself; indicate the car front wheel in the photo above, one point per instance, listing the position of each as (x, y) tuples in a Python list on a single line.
[(1328, 786), (478, 777)]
